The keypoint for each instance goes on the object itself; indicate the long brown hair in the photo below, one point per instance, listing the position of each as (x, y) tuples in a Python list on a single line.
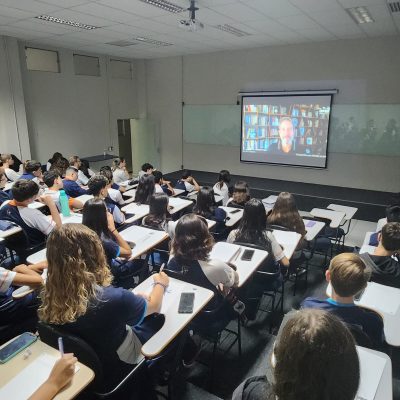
[(77, 265), (285, 213), (241, 192), (316, 359)]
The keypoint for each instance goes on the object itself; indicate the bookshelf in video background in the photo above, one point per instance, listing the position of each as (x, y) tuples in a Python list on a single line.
[(261, 124)]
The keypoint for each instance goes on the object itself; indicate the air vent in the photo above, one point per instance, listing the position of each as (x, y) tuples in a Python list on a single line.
[(394, 6), (232, 30), (122, 43)]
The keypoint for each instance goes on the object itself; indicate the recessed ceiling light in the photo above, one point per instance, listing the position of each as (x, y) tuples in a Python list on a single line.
[(122, 43), (360, 15), (143, 39), (74, 24), (232, 30), (394, 6), (165, 5)]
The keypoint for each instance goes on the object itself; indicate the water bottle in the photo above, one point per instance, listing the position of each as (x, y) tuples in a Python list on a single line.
[(65, 211)]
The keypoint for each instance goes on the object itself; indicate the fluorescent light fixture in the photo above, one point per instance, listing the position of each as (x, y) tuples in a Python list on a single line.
[(122, 43), (165, 5), (143, 39), (74, 24), (360, 15), (394, 6), (232, 30)]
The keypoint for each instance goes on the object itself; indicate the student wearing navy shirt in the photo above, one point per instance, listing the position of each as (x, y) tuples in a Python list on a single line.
[(70, 186), (392, 215), (348, 276), (113, 321), (33, 171)]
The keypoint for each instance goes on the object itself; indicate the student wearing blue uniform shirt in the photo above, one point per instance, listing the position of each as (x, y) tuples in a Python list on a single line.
[(348, 276), (33, 171), (70, 185), (187, 182), (113, 321)]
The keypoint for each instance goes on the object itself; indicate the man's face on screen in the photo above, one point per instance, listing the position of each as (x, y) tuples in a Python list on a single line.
[(286, 132)]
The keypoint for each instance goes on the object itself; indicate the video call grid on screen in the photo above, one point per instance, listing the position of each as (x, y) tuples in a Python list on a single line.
[(286, 129)]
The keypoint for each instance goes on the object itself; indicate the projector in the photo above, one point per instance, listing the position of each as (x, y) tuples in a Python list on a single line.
[(191, 25)]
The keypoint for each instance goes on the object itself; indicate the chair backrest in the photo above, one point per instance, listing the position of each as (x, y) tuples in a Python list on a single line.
[(20, 243), (73, 344), (277, 227)]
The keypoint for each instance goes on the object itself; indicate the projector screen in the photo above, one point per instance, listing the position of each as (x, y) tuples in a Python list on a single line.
[(286, 129)]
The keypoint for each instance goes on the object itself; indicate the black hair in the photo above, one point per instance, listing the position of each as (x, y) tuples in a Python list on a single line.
[(32, 166), (393, 213), (116, 162), (106, 173), (85, 168), (205, 204), (145, 189), (94, 216), (146, 167), (96, 184), (157, 176), (56, 156), (23, 190), (390, 236), (50, 176), (158, 210), (186, 173), (224, 177)]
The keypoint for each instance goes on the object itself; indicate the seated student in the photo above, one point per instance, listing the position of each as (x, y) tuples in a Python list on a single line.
[(56, 156), (114, 193), (315, 359), (207, 208), (54, 183), (241, 194), (113, 321), (385, 262), (85, 168), (106, 171), (71, 186), (187, 182), (33, 171), (4, 196), (145, 189), (8, 162), (75, 161), (98, 186), (222, 186), (161, 185), (147, 169), (120, 173), (348, 276), (36, 225), (96, 217), (61, 165), (60, 376), (392, 215), (14, 311)]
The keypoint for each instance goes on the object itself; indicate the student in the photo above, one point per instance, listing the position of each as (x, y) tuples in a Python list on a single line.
[(241, 194), (85, 168), (97, 218), (207, 208), (61, 165), (315, 359), (161, 185), (147, 169), (10, 174), (36, 225), (222, 186), (71, 186), (348, 276), (113, 321), (60, 376), (187, 182), (75, 161), (54, 183), (113, 192), (145, 189), (107, 171), (158, 214), (385, 261), (56, 156), (16, 311), (33, 171), (120, 172), (98, 186), (4, 196), (392, 215)]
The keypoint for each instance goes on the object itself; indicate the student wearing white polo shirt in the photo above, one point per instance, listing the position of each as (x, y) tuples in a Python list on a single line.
[(120, 173), (7, 161), (187, 182), (74, 161)]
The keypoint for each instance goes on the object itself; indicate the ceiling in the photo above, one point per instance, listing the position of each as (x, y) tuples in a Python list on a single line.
[(268, 22)]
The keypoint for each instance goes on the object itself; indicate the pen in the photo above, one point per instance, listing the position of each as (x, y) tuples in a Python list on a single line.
[(162, 267), (61, 346)]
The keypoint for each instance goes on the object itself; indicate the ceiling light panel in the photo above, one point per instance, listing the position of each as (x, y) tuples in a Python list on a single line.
[(232, 30), (360, 15), (122, 43), (143, 39), (62, 21), (165, 5)]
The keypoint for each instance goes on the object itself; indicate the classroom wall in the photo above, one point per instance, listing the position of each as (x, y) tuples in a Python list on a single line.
[(75, 113), (13, 127), (364, 72)]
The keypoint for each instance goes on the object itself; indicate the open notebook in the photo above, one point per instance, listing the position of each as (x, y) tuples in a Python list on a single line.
[(226, 252)]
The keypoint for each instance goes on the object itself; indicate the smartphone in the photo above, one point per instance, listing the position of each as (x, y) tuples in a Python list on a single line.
[(234, 211), (16, 346), (247, 255), (186, 303)]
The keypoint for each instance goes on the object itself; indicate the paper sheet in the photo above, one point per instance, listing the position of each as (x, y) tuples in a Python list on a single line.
[(29, 378), (225, 252), (381, 298)]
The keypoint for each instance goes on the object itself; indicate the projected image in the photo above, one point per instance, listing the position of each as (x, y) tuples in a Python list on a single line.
[(289, 130)]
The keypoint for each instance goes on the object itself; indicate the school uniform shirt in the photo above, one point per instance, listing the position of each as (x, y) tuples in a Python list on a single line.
[(113, 209), (369, 321), (115, 196), (111, 248), (48, 166), (73, 189), (82, 178), (162, 189), (6, 279), (218, 272), (223, 192), (374, 239), (55, 195), (167, 226), (4, 196), (385, 269), (119, 176), (254, 388), (181, 184), (277, 250), (11, 175)]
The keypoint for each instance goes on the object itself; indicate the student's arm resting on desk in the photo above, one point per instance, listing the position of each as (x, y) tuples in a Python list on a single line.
[(61, 374), (194, 183), (154, 300), (125, 249), (26, 276)]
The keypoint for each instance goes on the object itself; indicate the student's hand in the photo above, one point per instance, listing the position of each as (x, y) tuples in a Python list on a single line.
[(39, 267), (162, 278), (48, 200), (63, 371), (110, 222)]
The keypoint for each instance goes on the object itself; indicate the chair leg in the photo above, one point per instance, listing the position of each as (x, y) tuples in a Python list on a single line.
[(239, 337)]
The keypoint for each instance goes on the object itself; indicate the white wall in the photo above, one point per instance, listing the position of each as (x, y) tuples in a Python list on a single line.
[(76, 114), (13, 127), (364, 72)]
